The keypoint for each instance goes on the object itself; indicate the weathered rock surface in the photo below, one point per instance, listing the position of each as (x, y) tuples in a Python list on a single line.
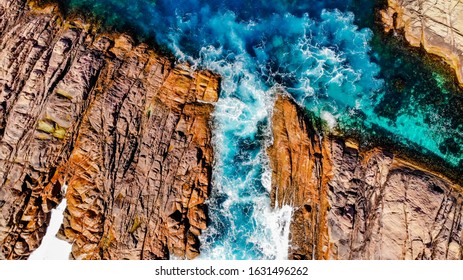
[(437, 25), (124, 128), (352, 204)]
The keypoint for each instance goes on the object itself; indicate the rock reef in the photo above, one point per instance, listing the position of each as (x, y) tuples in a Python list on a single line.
[(124, 128), (355, 204), (436, 25)]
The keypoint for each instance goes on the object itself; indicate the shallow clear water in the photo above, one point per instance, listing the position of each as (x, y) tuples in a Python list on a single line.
[(320, 57)]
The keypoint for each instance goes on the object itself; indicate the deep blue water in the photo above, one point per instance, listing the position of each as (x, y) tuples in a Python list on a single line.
[(314, 51)]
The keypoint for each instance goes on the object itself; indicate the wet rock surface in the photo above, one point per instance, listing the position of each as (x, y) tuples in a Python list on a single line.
[(355, 204), (126, 129)]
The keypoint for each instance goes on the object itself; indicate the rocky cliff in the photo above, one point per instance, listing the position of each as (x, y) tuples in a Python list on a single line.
[(127, 131), (123, 127), (356, 204), (436, 25)]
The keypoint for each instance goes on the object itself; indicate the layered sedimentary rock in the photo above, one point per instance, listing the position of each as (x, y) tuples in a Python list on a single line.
[(123, 127), (437, 25), (353, 204)]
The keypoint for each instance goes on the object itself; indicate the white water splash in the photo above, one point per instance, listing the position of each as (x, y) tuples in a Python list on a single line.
[(330, 119), (53, 248), (277, 220), (275, 242)]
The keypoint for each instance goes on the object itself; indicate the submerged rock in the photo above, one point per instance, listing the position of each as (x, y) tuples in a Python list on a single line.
[(354, 204), (126, 129)]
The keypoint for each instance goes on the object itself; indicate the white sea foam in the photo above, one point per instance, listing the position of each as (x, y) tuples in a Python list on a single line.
[(53, 248), (278, 221), (329, 118)]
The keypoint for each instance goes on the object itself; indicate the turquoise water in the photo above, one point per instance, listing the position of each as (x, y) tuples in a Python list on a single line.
[(314, 51), (421, 103)]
